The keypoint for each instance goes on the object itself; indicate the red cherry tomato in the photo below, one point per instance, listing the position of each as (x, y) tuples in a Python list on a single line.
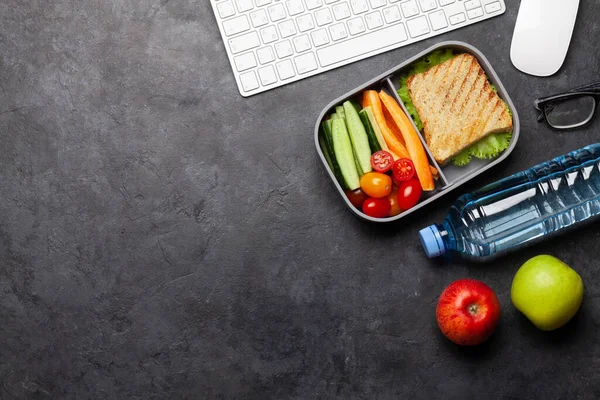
[(376, 184), (357, 197), (382, 161), (377, 208), (409, 194), (403, 169)]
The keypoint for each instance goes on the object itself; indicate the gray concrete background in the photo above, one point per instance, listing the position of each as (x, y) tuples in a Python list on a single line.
[(161, 236)]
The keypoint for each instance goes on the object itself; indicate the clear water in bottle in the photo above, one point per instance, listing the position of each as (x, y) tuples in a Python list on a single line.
[(512, 212)]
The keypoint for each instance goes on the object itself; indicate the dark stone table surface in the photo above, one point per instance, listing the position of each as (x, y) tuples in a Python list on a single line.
[(163, 237)]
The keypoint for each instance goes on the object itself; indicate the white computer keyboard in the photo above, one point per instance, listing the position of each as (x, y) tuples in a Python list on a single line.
[(274, 42)]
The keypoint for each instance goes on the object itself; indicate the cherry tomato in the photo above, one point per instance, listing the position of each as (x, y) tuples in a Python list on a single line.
[(376, 184), (394, 206), (409, 193), (357, 197), (377, 208), (403, 169), (382, 161)]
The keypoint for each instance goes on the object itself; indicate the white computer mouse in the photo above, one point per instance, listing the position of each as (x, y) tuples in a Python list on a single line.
[(542, 35)]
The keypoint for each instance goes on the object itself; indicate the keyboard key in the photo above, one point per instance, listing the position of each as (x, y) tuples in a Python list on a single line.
[(471, 4), (392, 14), (330, 1), (377, 3), (265, 55), (225, 9), (285, 69), (356, 26), (305, 23), (428, 5), (244, 42), (267, 75), (305, 63), (276, 12), (269, 34), (446, 2), (359, 6), (284, 49), (249, 81), (236, 25), (262, 2), (359, 45), (294, 7), (374, 20), (475, 13), (320, 37), (493, 7), (287, 28), (245, 61), (259, 18), (341, 11), (312, 4), (409, 8), (301, 43), (244, 5), (438, 20), (338, 31), (323, 17), (457, 18), (418, 26)]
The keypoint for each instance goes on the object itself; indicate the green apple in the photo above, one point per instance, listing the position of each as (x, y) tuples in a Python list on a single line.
[(547, 291)]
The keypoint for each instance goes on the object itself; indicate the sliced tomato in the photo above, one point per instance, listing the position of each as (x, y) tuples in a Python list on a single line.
[(403, 169), (377, 208), (382, 161), (409, 194), (357, 197)]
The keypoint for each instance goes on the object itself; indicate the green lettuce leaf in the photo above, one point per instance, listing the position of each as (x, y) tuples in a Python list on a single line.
[(462, 158), (410, 107), (489, 147)]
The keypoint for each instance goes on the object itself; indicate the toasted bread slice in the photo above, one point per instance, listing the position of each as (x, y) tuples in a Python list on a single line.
[(457, 106)]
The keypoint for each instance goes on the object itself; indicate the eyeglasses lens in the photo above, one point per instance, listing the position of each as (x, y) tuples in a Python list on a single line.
[(570, 112)]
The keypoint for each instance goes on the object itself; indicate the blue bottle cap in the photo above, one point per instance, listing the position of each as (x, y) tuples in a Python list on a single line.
[(432, 242)]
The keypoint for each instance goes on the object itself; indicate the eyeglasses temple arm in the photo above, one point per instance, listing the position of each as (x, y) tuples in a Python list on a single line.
[(590, 87)]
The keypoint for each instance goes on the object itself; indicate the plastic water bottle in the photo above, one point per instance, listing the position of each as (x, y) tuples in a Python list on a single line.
[(520, 209)]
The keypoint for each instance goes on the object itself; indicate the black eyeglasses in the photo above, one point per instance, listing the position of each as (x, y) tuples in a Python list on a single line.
[(571, 109)]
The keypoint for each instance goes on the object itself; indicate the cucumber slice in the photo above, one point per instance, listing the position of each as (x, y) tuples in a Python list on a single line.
[(327, 147), (376, 128), (340, 111), (327, 126), (342, 147), (325, 150), (358, 136), (373, 142)]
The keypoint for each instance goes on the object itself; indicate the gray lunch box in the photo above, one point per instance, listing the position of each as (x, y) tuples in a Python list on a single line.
[(450, 176)]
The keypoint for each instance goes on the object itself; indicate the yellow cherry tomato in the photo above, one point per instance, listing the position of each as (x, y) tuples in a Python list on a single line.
[(376, 184), (394, 206)]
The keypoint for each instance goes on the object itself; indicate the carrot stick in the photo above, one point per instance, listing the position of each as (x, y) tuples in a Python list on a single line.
[(365, 100), (434, 172), (392, 126), (411, 138), (392, 141)]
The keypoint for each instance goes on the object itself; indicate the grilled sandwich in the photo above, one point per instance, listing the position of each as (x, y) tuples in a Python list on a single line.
[(457, 105)]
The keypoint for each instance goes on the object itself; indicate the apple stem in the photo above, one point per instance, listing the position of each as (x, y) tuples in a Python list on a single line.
[(473, 309)]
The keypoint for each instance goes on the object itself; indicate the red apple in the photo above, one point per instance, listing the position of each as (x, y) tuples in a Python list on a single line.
[(468, 312)]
